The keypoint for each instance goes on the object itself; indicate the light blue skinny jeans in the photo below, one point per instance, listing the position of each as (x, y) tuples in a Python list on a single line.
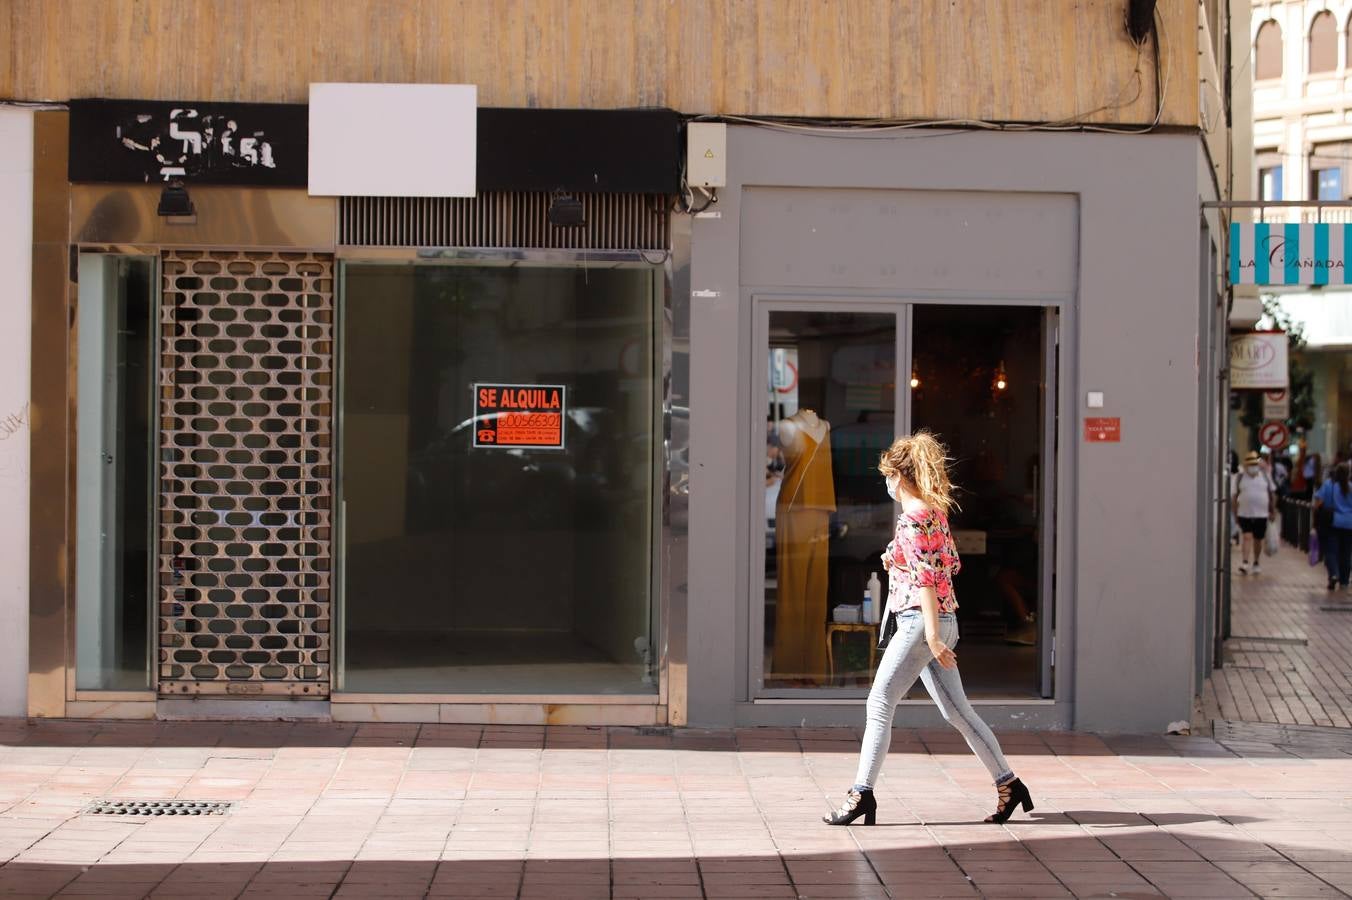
[(906, 657)]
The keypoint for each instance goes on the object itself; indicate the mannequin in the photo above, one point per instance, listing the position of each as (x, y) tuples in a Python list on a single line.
[(807, 497)]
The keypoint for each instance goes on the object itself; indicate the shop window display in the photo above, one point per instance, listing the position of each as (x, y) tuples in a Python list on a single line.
[(498, 471)]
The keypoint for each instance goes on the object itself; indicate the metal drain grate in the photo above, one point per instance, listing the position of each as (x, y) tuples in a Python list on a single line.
[(157, 808), (1335, 609), (655, 730)]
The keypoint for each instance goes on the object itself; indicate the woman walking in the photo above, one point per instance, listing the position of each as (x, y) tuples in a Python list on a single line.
[(921, 561), (1336, 496)]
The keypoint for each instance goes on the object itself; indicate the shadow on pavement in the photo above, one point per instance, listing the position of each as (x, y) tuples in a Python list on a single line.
[(1144, 866)]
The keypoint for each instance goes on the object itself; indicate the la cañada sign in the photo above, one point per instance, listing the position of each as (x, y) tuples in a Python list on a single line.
[(1263, 253)]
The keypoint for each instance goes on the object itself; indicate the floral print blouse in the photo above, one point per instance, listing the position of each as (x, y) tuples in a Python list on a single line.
[(922, 554)]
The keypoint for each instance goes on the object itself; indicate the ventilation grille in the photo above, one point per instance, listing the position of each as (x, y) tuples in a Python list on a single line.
[(504, 220), (246, 357)]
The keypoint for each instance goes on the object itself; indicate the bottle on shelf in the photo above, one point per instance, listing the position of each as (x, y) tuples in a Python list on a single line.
[(875, 593)]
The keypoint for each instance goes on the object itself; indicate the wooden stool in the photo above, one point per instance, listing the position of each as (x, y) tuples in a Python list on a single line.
[(834, 628)]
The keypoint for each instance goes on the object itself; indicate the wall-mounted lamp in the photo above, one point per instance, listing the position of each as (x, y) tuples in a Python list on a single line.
[(915, 378), (175, 202), (1001, 379), (565, 211)]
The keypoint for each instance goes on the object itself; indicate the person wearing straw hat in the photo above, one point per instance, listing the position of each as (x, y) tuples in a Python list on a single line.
[(1254, 502)]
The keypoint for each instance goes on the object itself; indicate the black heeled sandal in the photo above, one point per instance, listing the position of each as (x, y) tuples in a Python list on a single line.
[(1012, 794), (857, 803)]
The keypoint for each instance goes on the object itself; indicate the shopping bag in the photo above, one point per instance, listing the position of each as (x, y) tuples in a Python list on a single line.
[(1314, 548), (1273, 541)]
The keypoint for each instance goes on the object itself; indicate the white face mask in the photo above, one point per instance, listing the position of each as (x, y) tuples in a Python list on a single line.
[(894, 488), (1252, 470)]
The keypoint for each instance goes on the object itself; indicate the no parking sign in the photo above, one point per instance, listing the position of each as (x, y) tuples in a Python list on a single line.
[(1274, 435)]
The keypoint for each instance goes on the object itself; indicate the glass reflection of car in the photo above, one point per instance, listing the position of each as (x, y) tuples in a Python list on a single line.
[(678, 466), (543, 485)]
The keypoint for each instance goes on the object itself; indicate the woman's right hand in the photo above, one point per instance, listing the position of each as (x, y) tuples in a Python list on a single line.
[(943, 653)]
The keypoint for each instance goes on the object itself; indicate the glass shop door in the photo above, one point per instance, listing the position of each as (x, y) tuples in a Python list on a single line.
[(839, 381)]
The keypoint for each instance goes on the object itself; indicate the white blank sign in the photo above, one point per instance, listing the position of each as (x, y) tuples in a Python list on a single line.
[(393, 140)]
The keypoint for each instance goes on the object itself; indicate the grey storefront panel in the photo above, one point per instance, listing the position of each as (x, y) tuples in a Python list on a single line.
[(1104, 227), (914, 242)]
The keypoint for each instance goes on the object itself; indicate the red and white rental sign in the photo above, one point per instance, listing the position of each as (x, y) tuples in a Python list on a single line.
[(519, 415), (1258, 360), (1274, 435)]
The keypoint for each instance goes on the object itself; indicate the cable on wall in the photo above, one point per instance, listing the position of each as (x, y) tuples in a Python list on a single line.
[(881, 129)]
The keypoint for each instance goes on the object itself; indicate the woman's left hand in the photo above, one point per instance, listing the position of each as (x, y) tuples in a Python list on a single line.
[(943, 653)]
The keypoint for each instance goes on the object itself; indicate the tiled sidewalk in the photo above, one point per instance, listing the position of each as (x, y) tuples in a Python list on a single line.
[(455, 811), (1289, 660)]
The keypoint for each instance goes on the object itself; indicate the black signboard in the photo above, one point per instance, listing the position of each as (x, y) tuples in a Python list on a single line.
[(519, 415), (268, 145), (582, 150), (137, 141)]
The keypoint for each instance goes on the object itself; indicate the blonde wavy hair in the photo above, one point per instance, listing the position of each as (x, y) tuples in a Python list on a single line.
[(921, 463)]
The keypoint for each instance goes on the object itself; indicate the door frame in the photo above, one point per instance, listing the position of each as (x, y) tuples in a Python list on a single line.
[(151, 254), (1052, 488), (762, 307)]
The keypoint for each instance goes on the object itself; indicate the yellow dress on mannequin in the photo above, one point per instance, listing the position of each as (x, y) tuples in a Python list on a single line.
[(807, 497)]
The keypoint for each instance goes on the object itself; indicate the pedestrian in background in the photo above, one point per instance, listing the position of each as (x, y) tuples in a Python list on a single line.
[(1312, 470), (1299, 488), (1281, 475), (1336, 496), (1255, 504)]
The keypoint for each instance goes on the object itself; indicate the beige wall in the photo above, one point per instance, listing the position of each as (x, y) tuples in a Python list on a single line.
[(1298, 112), (1211, 95), (1026, 60), (16, 255)]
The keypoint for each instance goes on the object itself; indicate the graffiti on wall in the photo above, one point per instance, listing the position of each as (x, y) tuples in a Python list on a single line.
[(11, 424), (13, 454)]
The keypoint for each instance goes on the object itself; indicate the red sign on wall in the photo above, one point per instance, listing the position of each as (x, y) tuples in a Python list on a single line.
[(519, 415), (1103, 430)]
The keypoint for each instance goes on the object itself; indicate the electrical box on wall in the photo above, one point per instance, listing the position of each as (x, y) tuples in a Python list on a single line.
[(706, 161)]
